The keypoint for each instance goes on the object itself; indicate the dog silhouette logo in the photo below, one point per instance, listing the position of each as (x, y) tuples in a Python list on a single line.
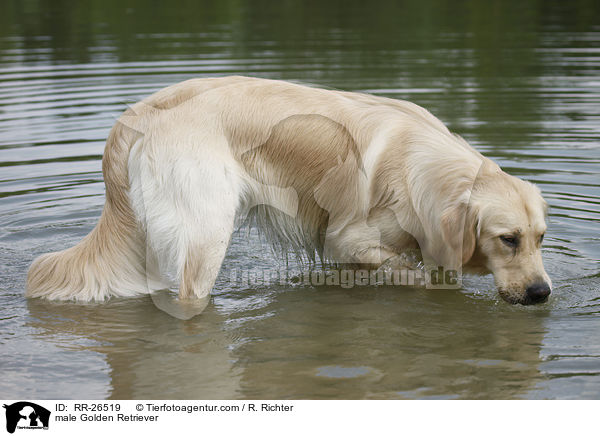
[(26, 415)]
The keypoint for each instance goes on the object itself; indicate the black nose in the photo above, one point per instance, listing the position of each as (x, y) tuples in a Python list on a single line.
[(538, 292)]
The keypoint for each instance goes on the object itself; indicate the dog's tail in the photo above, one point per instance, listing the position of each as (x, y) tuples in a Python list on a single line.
[(111, 259)]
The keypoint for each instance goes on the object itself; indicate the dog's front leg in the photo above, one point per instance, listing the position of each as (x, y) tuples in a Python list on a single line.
[(362, 245), (372, 256), (407, 260)]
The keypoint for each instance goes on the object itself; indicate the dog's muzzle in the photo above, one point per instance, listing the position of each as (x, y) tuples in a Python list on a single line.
[(536, 293)]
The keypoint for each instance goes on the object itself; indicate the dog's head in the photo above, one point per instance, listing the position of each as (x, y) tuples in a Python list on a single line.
[(504, 226)]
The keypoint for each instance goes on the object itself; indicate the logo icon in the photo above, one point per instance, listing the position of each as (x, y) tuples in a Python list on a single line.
[(26, 415)]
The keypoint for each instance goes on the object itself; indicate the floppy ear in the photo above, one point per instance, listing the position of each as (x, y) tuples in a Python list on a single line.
[(460, 228)]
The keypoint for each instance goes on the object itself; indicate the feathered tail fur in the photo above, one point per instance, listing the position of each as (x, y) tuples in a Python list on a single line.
[(111, 259)]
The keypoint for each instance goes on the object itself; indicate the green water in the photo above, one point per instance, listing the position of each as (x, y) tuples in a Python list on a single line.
[(520, 80)]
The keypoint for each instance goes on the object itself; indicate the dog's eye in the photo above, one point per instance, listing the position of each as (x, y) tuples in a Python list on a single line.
[(510, 240)]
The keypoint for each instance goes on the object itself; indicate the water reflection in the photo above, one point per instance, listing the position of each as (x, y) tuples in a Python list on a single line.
[(289, 343), (149, 353)]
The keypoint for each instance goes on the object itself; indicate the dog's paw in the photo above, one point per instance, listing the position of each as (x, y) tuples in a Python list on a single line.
[(168, 301)]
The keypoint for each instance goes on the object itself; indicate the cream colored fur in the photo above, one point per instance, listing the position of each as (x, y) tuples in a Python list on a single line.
[(351, 178)]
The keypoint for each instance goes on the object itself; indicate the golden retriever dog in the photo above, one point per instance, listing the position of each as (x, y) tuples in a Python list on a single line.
[(348, 177)]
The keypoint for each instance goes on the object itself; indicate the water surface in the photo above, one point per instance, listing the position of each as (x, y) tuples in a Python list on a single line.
[(519, 80)]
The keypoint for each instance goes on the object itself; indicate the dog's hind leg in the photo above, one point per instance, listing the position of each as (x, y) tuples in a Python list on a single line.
[(203, 261), (202, 232), (206, 222), (188, 208), (199, 267)]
